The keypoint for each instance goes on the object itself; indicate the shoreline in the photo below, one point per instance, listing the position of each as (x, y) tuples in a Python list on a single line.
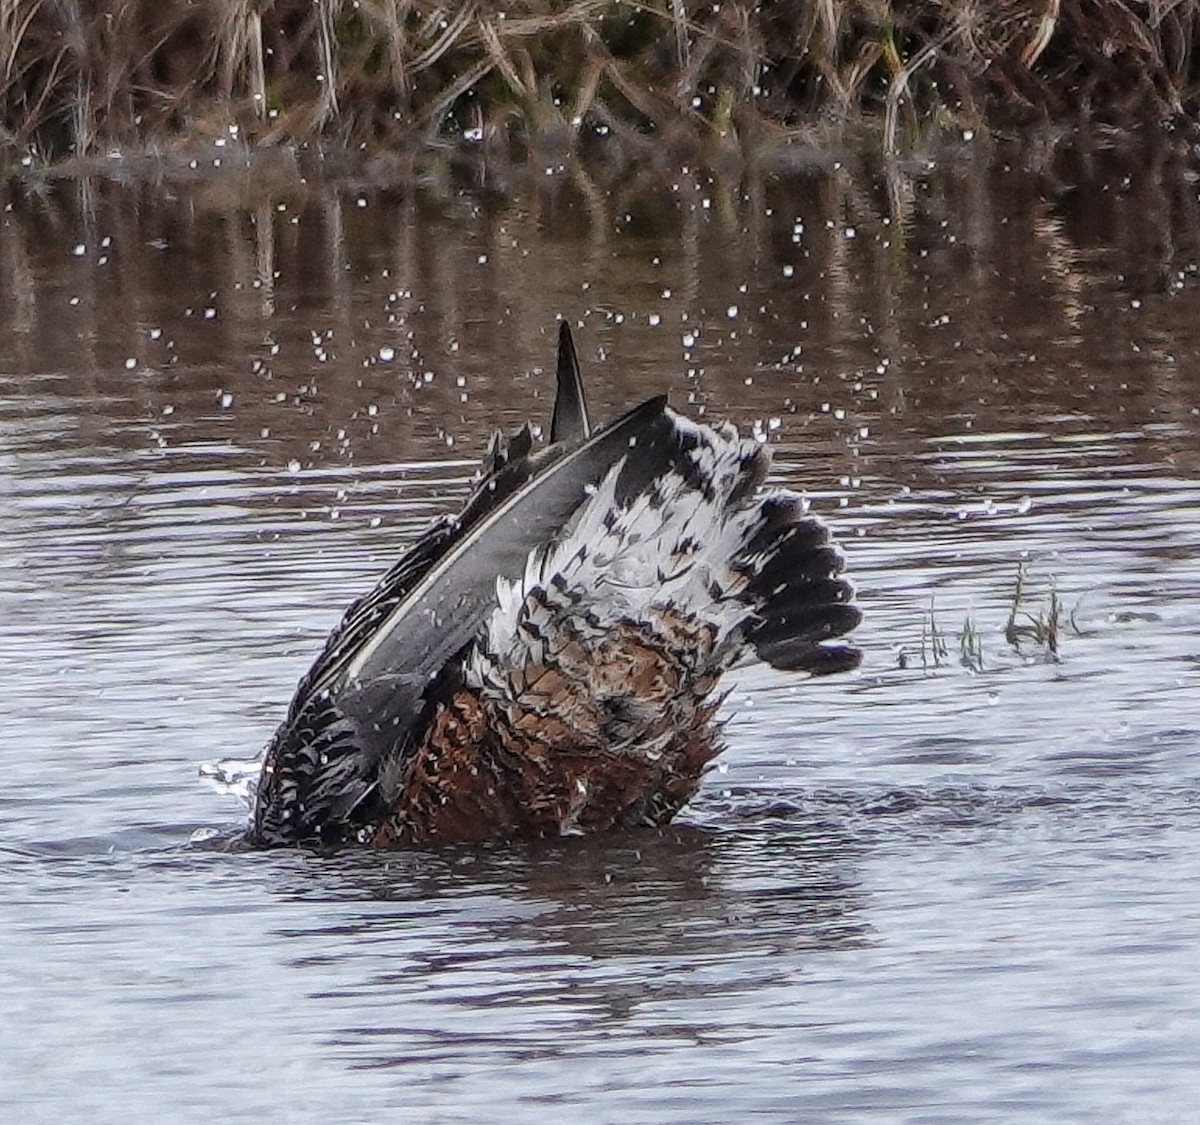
[(444, 165)]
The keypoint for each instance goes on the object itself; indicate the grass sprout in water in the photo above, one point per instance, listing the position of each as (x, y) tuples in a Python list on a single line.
[(932, 650), (970, 645), (1041, 628), (1038, 629)]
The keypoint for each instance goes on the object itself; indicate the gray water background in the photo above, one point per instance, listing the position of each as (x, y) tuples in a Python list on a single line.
[(945, 888)]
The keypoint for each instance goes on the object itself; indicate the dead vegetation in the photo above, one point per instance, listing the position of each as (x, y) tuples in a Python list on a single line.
[(79, 78)]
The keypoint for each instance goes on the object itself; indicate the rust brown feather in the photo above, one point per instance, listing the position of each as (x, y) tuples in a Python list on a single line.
[(610, 730)]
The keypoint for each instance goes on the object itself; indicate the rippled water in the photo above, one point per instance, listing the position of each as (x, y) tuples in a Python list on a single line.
[(950, 887)]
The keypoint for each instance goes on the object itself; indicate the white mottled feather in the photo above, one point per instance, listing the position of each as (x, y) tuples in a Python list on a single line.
[(671, 546)]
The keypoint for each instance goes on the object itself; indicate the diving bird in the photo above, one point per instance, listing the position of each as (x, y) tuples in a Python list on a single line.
[(546, 661)]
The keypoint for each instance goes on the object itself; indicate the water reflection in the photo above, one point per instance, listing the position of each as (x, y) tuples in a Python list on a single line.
[(592, 936), (929, 889), (203, 315), (650, 894)]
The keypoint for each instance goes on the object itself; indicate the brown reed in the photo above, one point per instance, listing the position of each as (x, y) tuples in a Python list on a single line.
[(78, 78)]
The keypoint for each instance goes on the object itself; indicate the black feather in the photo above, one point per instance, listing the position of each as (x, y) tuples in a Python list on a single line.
[(569, 422), (794, 586)]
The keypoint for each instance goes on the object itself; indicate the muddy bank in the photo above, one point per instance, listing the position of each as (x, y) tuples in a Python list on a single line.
[(689, 77)]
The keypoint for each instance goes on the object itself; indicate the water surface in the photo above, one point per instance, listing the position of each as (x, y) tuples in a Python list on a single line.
[(949, 887)]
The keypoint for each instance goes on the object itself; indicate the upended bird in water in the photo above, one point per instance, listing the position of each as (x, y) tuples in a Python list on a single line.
[(544, 663)]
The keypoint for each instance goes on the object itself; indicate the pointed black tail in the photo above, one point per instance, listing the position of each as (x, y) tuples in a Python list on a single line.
[(569, 422)]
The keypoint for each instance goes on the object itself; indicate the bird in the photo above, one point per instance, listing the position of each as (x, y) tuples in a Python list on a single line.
[(546, 662)]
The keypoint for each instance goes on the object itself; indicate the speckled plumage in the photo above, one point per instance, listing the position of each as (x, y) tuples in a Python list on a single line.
[(545, 663)]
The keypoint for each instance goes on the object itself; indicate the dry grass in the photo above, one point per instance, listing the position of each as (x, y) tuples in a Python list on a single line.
[(77, 78)]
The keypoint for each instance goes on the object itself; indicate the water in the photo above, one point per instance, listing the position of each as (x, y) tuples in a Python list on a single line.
[(950, 887)]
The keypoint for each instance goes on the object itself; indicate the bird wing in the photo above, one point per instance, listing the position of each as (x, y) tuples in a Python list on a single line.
[(358, 703)]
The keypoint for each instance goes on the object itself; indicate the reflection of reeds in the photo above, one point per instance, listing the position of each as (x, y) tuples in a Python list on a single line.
[(77, 77), (827, 321)]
